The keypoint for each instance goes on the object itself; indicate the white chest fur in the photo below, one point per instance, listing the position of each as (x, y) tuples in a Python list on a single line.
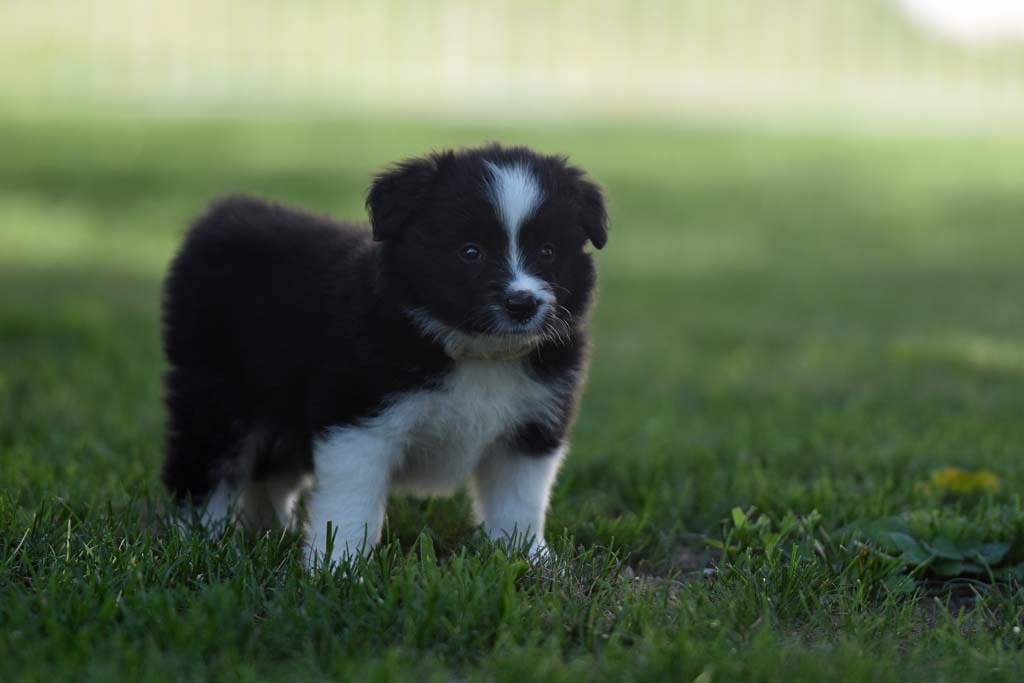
[(431, 441), (439, 435)]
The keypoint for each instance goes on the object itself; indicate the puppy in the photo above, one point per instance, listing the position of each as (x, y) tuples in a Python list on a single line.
[(445, 344)]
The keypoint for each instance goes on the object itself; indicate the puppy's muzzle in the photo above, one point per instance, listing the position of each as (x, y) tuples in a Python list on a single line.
[(521, 305)]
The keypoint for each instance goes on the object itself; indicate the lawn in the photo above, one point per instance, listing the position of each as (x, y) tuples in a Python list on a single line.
[(795, 333)]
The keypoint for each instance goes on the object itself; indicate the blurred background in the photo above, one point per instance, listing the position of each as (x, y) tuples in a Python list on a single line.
[(908, 62), (810, 297)]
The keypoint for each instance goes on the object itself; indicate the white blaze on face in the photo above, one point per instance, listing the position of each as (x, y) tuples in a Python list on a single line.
[(516, 196)]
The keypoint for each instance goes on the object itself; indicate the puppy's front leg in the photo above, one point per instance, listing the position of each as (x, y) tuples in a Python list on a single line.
[(511, 489), (352, 466)]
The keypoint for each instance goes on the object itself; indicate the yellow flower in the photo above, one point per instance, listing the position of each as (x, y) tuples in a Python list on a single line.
[(959, 481)]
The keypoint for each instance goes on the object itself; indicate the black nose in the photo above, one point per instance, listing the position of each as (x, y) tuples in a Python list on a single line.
[(521, 305)]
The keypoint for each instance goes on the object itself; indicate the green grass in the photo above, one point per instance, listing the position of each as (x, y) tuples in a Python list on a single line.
[(808, 326)]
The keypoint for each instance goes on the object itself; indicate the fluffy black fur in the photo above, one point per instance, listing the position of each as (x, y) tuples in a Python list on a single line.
[(283, 323)]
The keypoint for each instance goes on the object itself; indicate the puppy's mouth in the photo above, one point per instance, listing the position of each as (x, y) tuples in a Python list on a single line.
[(530, 325), (504, 337)]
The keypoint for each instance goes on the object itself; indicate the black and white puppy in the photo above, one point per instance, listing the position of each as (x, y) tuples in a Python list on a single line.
[(447, 344)]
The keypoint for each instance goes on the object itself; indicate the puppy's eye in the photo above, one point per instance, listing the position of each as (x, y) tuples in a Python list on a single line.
[(547, 252), (471, 253)]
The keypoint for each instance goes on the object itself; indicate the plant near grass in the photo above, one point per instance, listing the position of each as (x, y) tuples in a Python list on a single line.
[(798, 551), (898, 554), (932, 544)]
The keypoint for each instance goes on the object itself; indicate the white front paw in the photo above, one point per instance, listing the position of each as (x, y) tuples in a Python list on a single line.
[(539, 548)]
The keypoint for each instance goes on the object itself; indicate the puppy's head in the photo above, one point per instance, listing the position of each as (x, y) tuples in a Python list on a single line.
[(487, 246)]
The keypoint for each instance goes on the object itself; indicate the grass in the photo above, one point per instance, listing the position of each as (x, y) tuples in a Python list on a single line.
[(794, 333)]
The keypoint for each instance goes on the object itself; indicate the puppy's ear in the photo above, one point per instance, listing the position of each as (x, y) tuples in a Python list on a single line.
[(592, 214), (401, 193)]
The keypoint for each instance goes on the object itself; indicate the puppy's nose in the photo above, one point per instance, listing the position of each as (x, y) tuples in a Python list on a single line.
[(521, 305)]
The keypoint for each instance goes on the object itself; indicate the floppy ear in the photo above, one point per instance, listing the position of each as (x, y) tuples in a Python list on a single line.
[(592, 214), (398, 194)]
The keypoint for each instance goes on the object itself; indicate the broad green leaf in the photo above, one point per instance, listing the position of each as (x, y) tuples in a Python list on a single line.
[(951, 568), (913, 552), (948, 567), (945, 548), (991, 553)]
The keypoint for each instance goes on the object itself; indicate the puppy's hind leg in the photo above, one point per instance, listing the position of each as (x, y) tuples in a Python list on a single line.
[(214, 501), (201, 467), (204, 497), (281, 470), (272, 502)]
